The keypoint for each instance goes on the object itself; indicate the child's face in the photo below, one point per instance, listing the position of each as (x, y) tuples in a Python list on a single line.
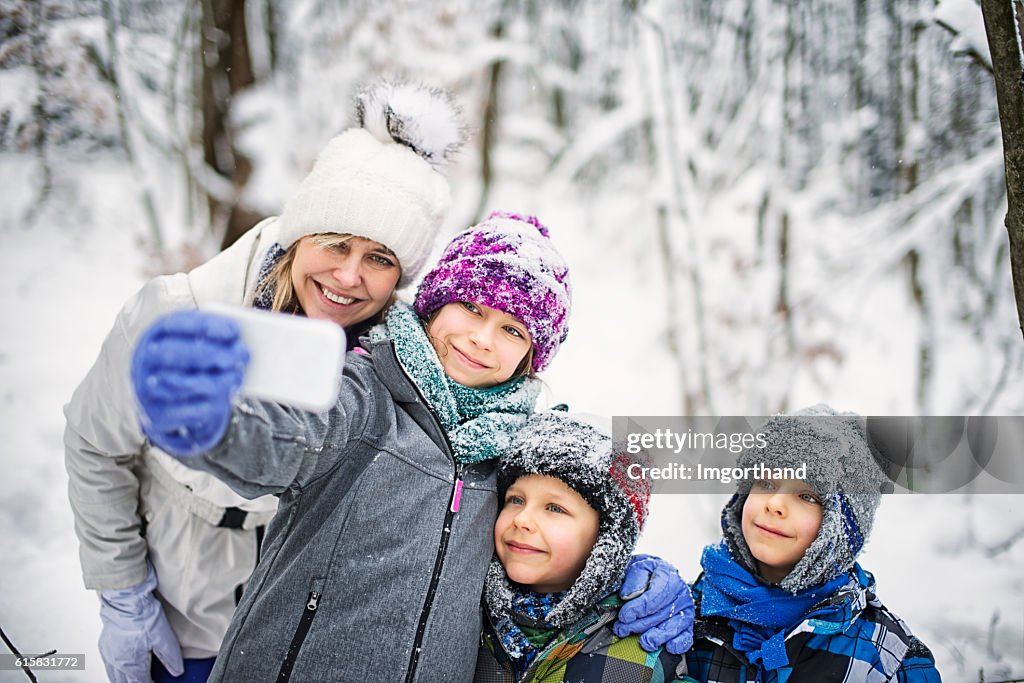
[(544, 533), (346, 283), (479, 346), (781, 518)]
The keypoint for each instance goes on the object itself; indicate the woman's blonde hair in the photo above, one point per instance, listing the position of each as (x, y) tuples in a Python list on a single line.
[(279, 279)]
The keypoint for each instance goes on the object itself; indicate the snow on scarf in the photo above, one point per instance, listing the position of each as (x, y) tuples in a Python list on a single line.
[(480, 423), (526, 610), (760, 614)]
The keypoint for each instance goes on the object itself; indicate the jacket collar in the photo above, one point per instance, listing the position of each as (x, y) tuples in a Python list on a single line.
[(837, 613), (390, 371), (405, 393), (594, 626)]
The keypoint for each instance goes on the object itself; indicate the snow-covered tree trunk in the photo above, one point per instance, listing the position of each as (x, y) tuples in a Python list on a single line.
[(904, 65), (227, 69), (489, 122), (37, 40), (1004, 26), (126, 125), (677, 211)]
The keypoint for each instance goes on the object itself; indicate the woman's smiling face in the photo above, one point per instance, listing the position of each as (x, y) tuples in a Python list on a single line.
[(347, 282)]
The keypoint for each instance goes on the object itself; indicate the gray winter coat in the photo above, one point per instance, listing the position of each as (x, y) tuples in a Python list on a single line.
[(368, 573)]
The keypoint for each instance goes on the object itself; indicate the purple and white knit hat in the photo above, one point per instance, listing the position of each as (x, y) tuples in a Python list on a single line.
[(506, 262)]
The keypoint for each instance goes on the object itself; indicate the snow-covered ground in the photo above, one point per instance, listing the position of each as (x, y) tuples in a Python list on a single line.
[(937, 559)]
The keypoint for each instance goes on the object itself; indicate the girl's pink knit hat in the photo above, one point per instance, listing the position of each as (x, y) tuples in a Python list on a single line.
[(506, 262)]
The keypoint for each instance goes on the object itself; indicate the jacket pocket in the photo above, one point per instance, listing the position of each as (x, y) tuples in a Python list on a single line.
[(305, 622)]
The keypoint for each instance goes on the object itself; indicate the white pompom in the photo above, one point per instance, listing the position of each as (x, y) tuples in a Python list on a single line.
[(425, 119)]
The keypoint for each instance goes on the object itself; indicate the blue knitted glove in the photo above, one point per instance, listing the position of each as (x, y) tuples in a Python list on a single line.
[(658, 606), (185, 369), (134, 629)]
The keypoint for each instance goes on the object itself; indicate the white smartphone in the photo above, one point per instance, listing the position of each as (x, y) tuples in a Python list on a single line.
[(295, 361)]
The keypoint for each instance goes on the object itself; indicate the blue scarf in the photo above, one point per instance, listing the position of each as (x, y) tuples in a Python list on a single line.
[(480, 423), (759, 613), (529, 610)]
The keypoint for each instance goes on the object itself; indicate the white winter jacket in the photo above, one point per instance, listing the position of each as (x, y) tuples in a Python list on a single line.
[(120, 486)]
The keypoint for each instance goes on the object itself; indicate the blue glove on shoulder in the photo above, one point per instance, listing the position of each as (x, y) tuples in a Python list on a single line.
[(134, 629), (658, 606), (185, 370)]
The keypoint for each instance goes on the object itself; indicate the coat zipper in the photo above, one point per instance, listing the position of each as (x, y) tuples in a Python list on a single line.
[(442, 547), (435, 578), (312, 602)]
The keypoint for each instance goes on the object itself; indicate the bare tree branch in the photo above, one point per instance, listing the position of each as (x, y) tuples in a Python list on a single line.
[(14, 650), (1004, 43)]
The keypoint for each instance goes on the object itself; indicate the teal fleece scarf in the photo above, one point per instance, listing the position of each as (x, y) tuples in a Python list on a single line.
[(480, 423)]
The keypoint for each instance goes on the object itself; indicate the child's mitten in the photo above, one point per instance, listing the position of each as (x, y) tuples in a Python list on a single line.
[(659, 606)]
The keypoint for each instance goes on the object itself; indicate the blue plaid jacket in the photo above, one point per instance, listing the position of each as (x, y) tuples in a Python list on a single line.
[(849, 637)]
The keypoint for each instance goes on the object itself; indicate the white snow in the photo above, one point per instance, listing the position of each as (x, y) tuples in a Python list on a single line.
[(69, 275), (70, 272), (948, 565), (963, 17)]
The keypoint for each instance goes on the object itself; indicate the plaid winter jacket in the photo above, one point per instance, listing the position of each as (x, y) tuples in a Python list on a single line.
[(849, 637), (587, 652)]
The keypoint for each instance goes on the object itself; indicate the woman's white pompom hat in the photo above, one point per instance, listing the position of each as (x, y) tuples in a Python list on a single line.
[(381, 180)]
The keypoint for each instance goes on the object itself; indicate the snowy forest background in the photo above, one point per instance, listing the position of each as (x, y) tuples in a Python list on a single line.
[(764, 204)]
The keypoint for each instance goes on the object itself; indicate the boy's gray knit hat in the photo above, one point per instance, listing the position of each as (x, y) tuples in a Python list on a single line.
[(578, 450), (840, 468)]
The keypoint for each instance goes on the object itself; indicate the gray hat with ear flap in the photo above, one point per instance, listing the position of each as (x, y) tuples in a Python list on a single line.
[(840, 468), (578, 450)]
